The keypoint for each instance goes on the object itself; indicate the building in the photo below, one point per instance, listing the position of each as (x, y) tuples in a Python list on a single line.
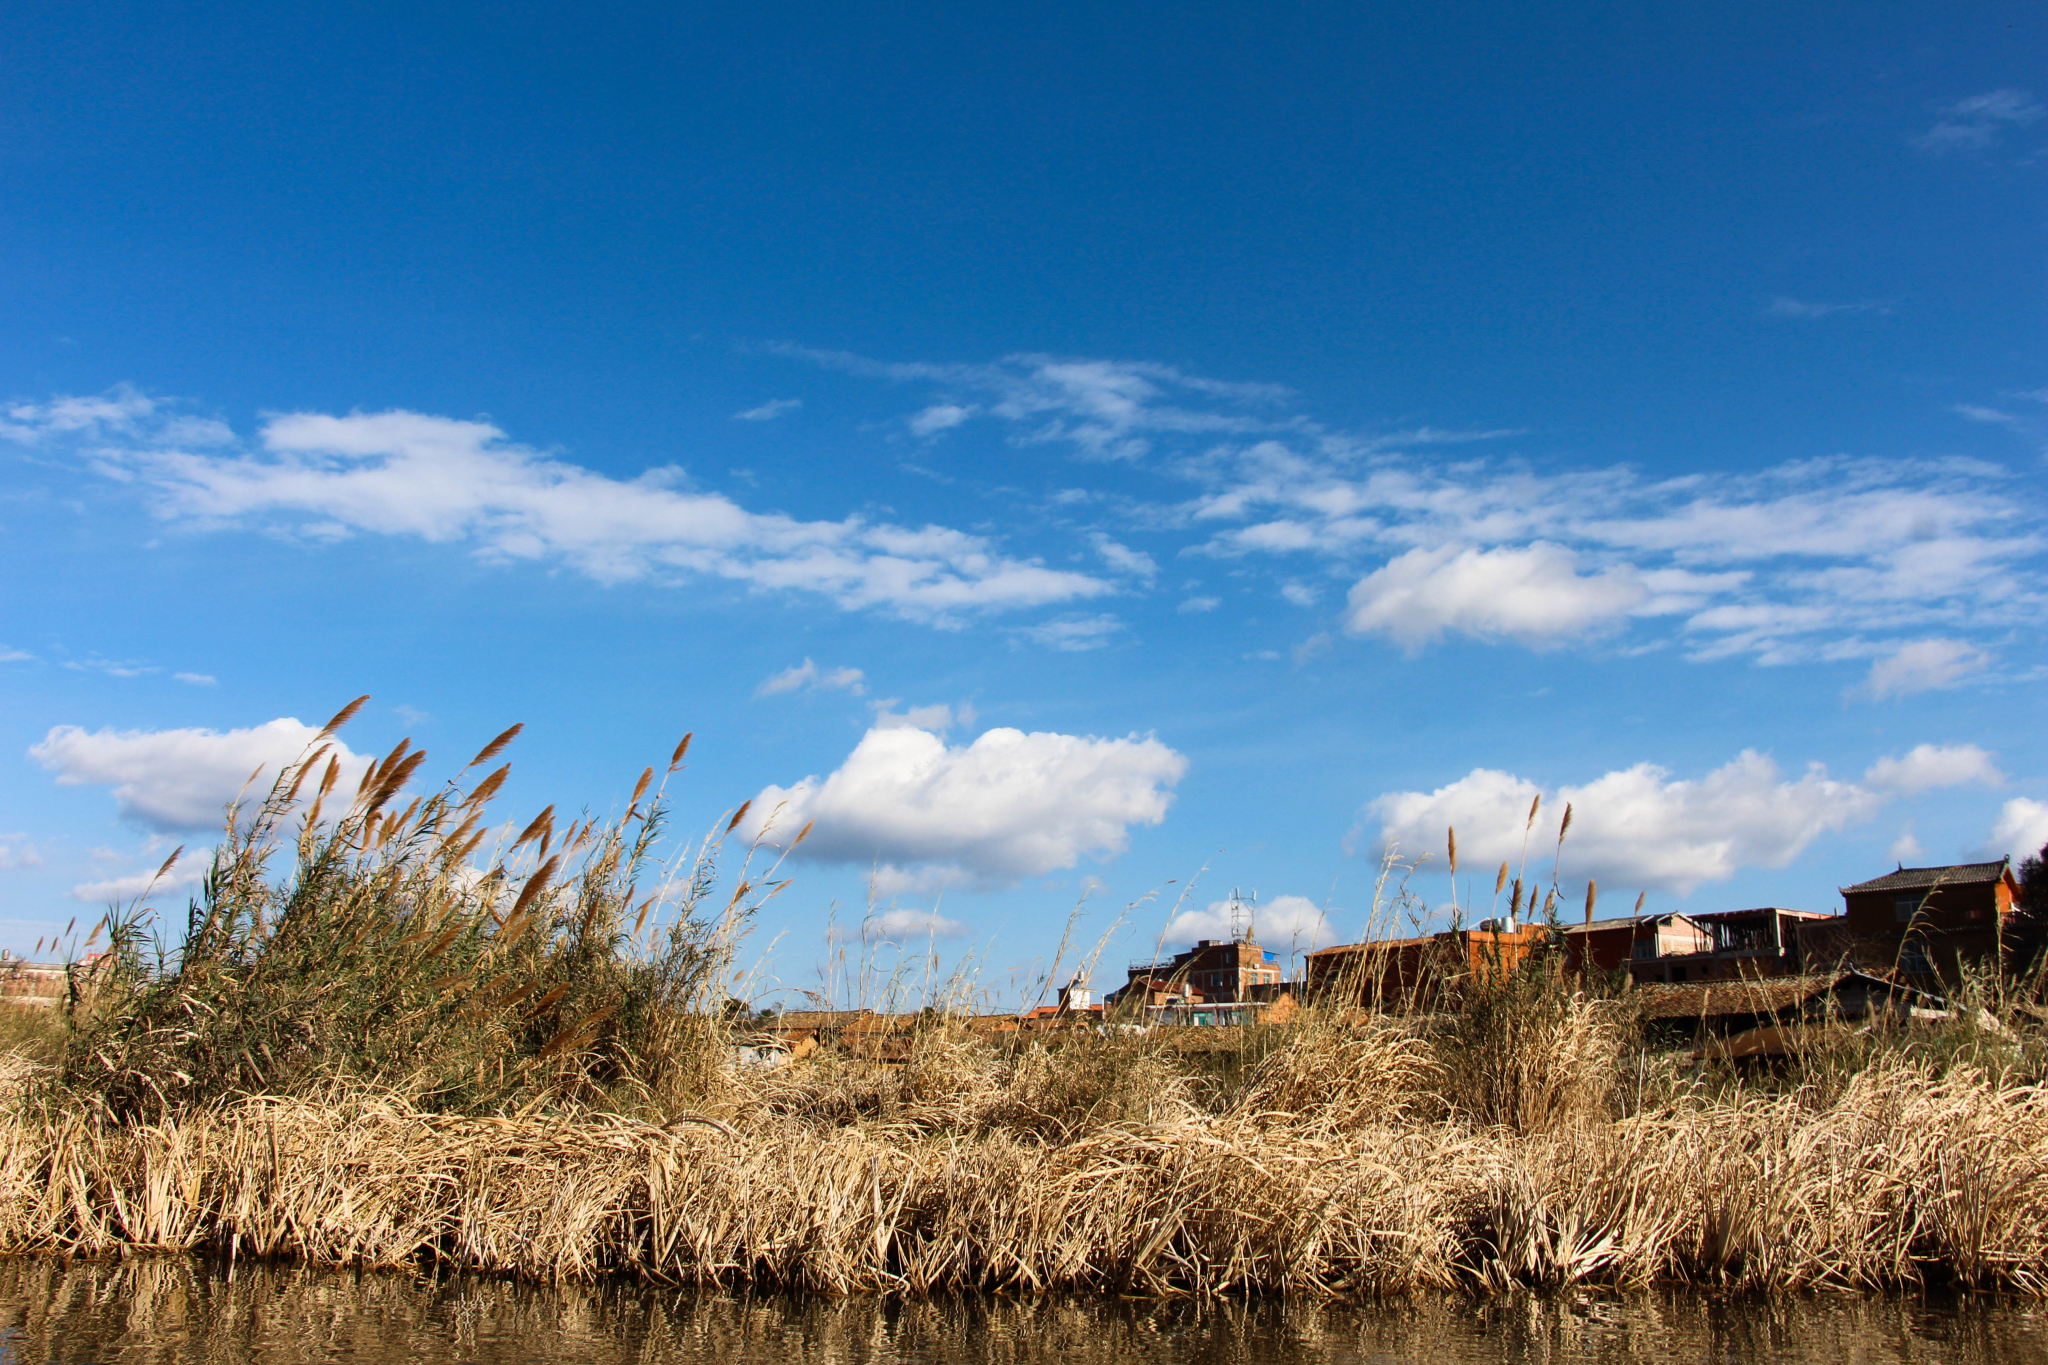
[(35, 984), (1753, 1015), (1218, 971), (1932, 921), (1405, 972), (1721, 945)]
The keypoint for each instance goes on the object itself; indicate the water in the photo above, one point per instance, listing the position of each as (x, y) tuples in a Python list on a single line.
[(178, 1311)]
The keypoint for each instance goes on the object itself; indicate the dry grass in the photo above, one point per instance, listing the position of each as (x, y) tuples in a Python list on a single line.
[(1324, 1178), (381, 1058)]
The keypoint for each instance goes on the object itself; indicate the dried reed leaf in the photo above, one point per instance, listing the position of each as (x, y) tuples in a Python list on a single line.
[(737, 816), (675, 760), (495, 747), (1453, 838), (1502, 879), (535, 884), (483, 791), (541, 823), (344, 715), (640, 787), (546, 1000)]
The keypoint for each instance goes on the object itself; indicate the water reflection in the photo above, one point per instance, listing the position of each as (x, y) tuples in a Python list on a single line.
[(171, 1310)]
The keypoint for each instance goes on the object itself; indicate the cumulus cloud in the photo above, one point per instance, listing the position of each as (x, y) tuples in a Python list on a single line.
[(1285, 922), (1008, 806), (1928, 766), (901, 924), (808, 677), (937, 717), (1533, 595), (1636, 828), (2021, 830), (180, 780), (1974, 124), (438, 479), (1922, 666)]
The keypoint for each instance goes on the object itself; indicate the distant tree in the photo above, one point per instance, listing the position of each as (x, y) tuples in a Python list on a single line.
[(2034, 884)]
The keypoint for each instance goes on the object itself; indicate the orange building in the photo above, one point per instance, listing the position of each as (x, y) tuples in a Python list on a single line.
[(1933, 921), (1396, 973)]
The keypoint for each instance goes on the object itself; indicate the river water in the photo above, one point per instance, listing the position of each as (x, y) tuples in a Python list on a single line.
[(173, 1310)]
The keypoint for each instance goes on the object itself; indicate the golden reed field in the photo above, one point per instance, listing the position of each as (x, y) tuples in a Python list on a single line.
[(361, 1052)]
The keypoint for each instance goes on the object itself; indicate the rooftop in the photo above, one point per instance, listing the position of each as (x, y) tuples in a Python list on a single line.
[(1914, 878), (1692, 1000)]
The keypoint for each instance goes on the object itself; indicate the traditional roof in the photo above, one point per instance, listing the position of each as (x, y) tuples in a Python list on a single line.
[(1915, 878), (1770, 995)]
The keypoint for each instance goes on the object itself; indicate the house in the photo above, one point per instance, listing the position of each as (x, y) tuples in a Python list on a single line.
[(1220, 970), (1713, 946), (1735, 1009), (34, 984), (1389, 973), (1932, 921)]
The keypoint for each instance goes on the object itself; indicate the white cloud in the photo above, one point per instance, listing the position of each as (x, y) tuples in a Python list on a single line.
[(1535, 596), (1929, 766), (938, 717), (1199, 604), (185, 874), (1973, 124), (2021, 831), (939, 417), (1301, 594), (1634, 828), (1905, 848), (465, 482), (1284, 922), (197, 679), (1811, 561), (179, 780), (1008, 806), (17, 852), (1123, 557), (14, 656), (1074, 634), (899, 925), (1103, 409), (1922, 666), (808, 677), (769, 410)]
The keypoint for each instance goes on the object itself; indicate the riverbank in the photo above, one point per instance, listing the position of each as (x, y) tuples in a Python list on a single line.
[(1899, 1178)]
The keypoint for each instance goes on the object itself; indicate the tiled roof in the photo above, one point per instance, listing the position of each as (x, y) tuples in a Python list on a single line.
[(1913, 878), (1690, 1000), (1696, 999)]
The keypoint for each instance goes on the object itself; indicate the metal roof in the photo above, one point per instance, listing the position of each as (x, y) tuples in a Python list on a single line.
[(1914, 878)]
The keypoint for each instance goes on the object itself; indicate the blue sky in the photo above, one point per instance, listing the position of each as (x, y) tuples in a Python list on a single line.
[(1055, 451)]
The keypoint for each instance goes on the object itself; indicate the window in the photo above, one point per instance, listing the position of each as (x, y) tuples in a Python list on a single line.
[(1903, 905)]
